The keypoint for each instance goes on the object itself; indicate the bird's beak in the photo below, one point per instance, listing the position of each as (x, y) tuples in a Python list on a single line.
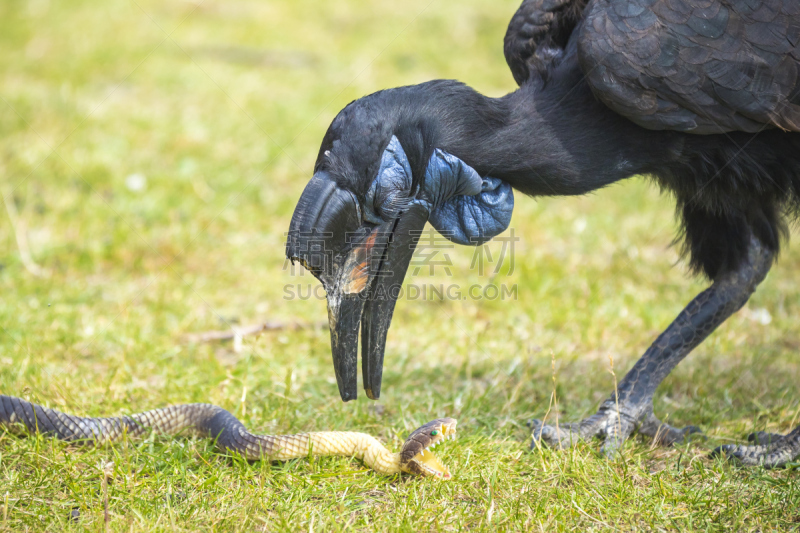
[(384, 288), (362, 268)]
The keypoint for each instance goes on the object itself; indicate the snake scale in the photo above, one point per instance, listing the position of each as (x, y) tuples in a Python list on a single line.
[(211, 421)]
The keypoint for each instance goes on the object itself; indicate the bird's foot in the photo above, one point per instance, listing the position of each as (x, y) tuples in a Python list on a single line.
[(611, 424), (770, 450), (763, 438), (666, 435)]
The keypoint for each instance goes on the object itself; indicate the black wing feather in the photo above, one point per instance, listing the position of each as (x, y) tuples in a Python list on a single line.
[(701, 66)]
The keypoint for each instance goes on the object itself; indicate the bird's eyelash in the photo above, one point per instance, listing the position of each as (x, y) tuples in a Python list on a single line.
[(394, 204)]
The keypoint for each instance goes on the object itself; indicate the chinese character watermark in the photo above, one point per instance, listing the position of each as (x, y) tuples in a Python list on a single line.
[(483, 258), (431, 255), (429, 244)]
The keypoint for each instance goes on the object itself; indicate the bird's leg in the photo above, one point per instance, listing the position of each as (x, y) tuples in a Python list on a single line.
[(630, 407)]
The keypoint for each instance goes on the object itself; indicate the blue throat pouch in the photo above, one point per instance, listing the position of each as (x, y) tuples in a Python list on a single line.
[(464, 207)]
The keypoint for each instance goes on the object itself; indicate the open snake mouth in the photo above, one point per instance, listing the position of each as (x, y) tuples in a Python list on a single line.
[(417, 457)]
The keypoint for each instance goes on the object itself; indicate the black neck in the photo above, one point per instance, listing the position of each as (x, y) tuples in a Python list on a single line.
[(549, 138)]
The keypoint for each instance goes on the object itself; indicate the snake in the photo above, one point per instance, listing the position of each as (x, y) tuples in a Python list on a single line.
[(202, 420)]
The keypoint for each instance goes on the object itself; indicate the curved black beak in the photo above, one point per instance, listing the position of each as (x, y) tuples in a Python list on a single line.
[(361, 267), (385, 287)]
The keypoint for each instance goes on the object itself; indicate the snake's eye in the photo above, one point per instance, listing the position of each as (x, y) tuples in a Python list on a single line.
[(434, 433)]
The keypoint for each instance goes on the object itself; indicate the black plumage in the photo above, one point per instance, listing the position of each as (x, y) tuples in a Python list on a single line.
[(702, 96), (709, 66), (721, 68)]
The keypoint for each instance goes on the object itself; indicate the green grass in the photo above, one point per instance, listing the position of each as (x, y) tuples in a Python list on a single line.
[(221, 105)]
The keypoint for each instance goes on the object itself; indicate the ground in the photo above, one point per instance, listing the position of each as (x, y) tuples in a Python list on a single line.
[(150, 156)]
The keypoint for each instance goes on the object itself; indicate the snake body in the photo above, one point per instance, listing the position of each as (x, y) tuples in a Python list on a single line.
[(211, 421)]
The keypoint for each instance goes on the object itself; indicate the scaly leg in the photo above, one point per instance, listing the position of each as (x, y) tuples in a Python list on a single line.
[(632, 408), (770, 450)]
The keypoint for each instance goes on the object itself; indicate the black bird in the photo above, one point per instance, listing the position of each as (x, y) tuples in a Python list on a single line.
[(702, 95)]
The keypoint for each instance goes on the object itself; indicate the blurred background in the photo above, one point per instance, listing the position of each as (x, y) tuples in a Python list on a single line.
[(151, 154)]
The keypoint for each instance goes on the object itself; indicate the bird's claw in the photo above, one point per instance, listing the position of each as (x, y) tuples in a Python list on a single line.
[(769, 450), (558, 436), (609, 425), (763, 438), (666, 435), (614, 427)]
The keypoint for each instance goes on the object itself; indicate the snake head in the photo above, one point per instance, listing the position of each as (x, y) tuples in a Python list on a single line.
[(416, 456)]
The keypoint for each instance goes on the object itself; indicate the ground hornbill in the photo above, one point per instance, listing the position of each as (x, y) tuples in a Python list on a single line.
[(701, 95)]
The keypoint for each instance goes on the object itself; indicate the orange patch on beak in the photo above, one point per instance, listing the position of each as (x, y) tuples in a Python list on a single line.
[(357, 281), (358, 276)]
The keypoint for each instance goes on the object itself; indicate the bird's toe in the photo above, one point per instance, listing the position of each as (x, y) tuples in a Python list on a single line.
[(725, 451), (559, 436), (666, 435), (763, 437)]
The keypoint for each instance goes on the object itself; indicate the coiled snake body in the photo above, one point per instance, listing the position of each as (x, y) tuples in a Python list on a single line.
[(211, 421)]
